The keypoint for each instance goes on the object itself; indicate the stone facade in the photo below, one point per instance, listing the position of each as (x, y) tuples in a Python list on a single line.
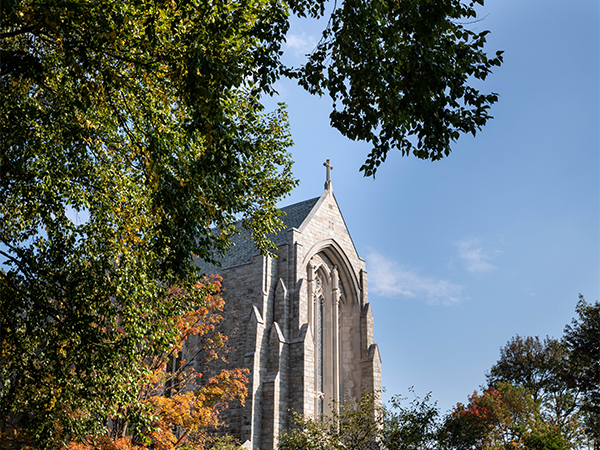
[(301, 323)]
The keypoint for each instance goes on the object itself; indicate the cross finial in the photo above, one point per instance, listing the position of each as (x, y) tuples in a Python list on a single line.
[(328, 180)]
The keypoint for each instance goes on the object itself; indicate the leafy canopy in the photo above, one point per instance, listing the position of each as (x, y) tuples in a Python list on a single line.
[(582, 339), (540, 368), (398, 73), (366, 424), (395, 70), (504, 418), (129, 131), (561, 376), (169, 413)]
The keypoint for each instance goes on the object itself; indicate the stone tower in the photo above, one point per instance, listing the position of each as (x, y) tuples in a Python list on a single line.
[(301, 323)]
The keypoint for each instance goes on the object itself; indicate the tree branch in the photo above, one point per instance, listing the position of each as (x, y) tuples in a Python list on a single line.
[(18, 32)]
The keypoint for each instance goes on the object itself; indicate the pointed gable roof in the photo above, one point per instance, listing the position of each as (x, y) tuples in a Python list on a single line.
[(296, 214), (243, 248)]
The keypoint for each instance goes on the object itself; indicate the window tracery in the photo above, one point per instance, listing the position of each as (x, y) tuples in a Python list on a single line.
[(326, 293)]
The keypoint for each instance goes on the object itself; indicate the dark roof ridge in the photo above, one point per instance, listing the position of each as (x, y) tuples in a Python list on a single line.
[(243, 248)]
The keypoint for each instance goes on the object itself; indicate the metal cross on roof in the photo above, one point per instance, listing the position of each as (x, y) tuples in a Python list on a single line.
[(328, 180)]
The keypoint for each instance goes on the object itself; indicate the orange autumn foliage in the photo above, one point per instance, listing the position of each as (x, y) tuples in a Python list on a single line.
[(183, 411)]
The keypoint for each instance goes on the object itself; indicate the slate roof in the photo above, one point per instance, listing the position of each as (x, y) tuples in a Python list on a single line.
[(243, 248)]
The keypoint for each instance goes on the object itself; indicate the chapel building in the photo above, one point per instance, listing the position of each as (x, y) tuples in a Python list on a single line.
[(301, 323)]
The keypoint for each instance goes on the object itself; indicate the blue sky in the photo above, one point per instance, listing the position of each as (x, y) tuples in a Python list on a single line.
[(499, 238)]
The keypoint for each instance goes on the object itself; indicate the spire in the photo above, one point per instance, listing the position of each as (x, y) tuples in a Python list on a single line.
[(328, 185)]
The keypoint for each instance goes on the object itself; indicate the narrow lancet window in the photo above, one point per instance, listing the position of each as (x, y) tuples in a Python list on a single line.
[(320, 333)]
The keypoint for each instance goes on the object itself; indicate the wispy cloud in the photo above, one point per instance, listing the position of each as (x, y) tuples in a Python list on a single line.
[(301, 44), (475, 258), (281, 89), (389, 279)]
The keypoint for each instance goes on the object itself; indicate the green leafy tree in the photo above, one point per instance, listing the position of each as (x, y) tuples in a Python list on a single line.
[(132, 130), (531, 363), (402, 81), (406, 74), (412, 427), (226, 442), (540, 366), (367, 425), (562, 375), (169, 415), (503, 418), (582, 339), (353, 425), (128, 114)]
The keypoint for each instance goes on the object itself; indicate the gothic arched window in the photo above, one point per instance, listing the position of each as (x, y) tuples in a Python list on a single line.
[(325, 324)]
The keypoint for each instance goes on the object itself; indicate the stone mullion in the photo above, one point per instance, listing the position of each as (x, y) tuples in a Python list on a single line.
[(311, 299), (336, 336), (312, 323)]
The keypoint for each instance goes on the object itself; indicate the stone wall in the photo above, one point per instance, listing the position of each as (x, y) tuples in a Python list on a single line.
[(267, 320)]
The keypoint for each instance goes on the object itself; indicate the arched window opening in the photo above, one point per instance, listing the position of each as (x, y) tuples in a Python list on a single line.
[(320, 355), (327, 296)]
